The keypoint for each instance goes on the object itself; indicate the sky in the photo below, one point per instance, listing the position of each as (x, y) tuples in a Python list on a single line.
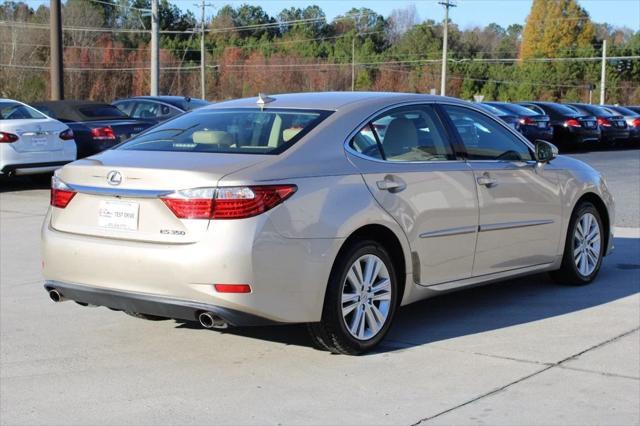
[(468, 13)]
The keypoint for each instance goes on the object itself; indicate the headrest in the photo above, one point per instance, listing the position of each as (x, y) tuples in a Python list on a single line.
[(212, 137), (289, 134), (401, 137)]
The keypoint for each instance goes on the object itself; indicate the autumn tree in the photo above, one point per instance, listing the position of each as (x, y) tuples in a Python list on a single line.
[(554, 26)]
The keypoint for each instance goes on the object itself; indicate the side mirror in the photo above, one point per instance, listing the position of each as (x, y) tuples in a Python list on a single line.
[(545, 151)]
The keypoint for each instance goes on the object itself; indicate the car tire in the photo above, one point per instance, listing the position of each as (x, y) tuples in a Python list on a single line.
[(359, 305), (580, 265)]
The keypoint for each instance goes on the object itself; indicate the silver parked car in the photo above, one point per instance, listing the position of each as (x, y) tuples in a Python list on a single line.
[(297, 209)]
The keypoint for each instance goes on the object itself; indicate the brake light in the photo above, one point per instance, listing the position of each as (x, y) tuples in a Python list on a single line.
[(604, 122), (8, 137), (572, 122), (103, 133), (526, 121), (61, 194), (232, 288), (66, 135), (635, 122), (237, 202)]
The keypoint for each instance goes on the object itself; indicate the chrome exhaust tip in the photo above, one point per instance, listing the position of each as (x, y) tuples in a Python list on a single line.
[(55, 296), (209, 320)]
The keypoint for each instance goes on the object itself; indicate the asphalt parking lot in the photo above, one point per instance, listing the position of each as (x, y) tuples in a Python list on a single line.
[(521, 352)]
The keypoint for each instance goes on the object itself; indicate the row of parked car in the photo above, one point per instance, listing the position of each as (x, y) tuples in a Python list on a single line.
[(572, 125), (40, 137)]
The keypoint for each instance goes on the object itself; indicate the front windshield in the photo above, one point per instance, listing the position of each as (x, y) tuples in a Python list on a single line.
[(239, 131), (18, 111)]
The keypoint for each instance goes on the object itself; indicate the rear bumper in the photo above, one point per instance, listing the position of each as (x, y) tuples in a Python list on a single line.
[(612, 135), (287, 276), (149, 304), (576, 136), (535, 133), (32, 168)]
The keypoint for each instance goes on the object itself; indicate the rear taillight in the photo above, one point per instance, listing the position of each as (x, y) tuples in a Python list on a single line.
[(61, 194), (103, 133), (8, 137), (527, 121), (635, 122), (237, 202), (604, 122), (572, 122), (66, 135)]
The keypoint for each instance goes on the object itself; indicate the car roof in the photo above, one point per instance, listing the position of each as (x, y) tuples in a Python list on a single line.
[(326, 100)]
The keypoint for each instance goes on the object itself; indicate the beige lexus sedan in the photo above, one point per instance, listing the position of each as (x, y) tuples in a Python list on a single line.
[(331, 209)]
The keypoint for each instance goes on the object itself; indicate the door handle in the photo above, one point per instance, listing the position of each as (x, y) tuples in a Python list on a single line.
[(486, 180), (391, 184)]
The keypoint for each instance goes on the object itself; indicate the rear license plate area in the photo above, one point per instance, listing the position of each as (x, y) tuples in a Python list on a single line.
[(122, 215)]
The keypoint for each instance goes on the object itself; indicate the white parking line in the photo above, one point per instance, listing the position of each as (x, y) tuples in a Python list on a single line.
[(620, 232)]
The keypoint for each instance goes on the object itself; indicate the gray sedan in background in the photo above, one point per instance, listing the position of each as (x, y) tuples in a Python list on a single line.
[(331, 209)]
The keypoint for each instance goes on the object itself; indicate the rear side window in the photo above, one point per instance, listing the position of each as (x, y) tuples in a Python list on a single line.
[(17, 111), (563, 109), (101, 111), (152, 110), (405, 134), (233, 131), (124, 106)]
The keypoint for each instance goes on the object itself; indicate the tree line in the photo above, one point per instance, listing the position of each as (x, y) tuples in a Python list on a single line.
[(249, 51)]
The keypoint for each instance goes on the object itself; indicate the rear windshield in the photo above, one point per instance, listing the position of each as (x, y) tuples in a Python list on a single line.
[(516, 109), (491, 108), (592, 109), (17, 111), (234, 131), (563, 109), (617, 110), (101, 111)]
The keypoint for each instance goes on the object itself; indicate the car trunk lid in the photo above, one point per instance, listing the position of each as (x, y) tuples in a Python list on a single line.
[(37, 135), (118, 193)]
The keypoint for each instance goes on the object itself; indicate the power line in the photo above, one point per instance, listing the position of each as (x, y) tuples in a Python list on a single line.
[(120, 6)]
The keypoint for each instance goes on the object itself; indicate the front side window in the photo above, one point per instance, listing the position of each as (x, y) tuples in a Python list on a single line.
[(405, 134), (484, 138), (234, 131), (17, 111)]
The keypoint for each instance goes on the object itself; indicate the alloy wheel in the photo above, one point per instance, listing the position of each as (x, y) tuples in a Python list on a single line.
[(366, 297), (586, 244)]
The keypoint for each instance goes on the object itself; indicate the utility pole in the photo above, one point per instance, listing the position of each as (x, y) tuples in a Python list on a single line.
[(353, 63), (603, 76), (443, 76), (203, 87), (155, 48), (57, 76)]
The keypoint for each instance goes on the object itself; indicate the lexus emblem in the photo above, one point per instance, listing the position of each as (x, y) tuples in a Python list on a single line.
[(114, 177)]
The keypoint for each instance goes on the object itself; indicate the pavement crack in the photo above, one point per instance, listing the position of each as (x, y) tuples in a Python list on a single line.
[(521, 379)]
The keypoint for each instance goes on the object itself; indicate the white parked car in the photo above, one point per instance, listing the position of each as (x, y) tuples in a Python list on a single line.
[(31, 142)]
